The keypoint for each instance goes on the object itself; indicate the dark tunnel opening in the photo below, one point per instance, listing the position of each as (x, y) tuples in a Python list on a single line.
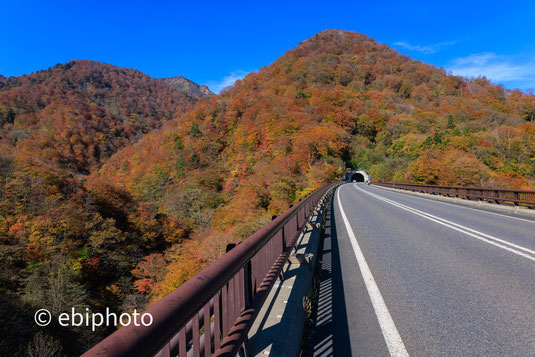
[(357, 177)]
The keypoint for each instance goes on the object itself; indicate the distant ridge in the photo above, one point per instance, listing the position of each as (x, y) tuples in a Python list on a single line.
[(77, 114), (188, 86)]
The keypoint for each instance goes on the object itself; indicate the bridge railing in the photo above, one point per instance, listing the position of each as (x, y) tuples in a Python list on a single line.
[(498, 195), (211, 313)]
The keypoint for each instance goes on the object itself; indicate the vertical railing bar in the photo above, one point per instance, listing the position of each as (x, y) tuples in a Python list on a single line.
[(224, 309), (237, 296), (274, 247), (260, 268), (196, 340), (217, 321), (243, 289), (253, 275), (182, 343), (283, 237), (269, 254), (254, 270), (265, 258), (230, 303), (274, 252), (207, 331)]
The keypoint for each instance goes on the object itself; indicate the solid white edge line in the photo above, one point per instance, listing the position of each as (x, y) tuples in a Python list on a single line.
[(391, 335), (417, 211), (465, 231), (482, 210), (452, 223)]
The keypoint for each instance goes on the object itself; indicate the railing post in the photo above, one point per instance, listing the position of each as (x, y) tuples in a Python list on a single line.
[(283, 237), (230, 283)]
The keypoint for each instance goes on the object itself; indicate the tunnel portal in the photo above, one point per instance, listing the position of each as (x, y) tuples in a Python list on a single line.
[(357, 177)]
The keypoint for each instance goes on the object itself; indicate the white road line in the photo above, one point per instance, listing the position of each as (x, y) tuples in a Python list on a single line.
[(500, 243), (401, 205), (460, 206), (391, 335)]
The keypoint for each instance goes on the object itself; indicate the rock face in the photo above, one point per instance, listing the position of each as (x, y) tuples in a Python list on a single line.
[(188, 86)]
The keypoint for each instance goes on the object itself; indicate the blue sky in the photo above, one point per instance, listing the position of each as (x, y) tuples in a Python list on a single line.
[(216, 43)]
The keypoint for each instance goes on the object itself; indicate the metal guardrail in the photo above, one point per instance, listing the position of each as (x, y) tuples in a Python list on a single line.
[(498, 195), (211, 313)]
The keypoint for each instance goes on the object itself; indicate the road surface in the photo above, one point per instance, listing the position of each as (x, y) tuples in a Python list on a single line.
[(403, 275)]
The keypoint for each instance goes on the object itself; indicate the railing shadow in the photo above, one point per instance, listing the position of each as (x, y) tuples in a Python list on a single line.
[(330, 335), (259, 342), (238, 283)]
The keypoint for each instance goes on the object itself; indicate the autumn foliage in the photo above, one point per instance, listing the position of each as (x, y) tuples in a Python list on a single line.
[(79, 113), (338, 100), (122, 187), (63, 241)]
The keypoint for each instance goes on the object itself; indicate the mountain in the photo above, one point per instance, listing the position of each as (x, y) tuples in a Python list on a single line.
[(77, 114), (155, 208), (339, 99), (64, 243), (188, 86)]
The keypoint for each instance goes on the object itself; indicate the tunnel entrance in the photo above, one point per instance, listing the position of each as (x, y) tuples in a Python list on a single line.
[(357, 177)]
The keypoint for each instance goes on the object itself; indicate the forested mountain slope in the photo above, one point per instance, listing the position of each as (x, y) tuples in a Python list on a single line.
[(159, 209), (61, 244), (339, 98), (79, 113)]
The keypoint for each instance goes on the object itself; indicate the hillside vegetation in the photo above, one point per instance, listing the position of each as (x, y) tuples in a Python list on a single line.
[(102, 205), (60, 245), (338, 99), (79, 113)]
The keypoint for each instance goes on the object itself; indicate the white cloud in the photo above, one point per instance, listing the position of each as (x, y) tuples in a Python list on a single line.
[(229, 80), (510, 70), (427, 49)]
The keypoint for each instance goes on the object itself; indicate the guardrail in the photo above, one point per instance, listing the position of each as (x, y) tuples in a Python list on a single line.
[(498, 195), (211, 313)]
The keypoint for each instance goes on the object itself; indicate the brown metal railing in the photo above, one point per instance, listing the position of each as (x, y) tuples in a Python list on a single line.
[(497, 195), (211, 313)]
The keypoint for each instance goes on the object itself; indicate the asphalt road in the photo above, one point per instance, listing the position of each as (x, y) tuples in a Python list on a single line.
[(404, 275)]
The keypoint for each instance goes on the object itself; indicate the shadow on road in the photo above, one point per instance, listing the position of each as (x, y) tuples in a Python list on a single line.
[(274, 334), (330, 331)]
